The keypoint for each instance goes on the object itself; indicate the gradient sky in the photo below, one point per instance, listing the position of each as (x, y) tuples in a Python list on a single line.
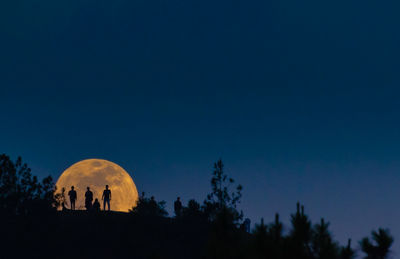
[(299, 98)]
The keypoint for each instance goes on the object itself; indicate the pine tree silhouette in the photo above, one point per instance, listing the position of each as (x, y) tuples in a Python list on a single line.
[(300, 235), (380, 249), (347, 252), (322, 244), (261, 240)]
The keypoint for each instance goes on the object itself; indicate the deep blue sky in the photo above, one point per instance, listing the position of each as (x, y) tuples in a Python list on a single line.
[(299, 98)]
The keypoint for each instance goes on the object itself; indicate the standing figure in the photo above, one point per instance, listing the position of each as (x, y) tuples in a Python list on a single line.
[(178, 207), (88, 199), (106, 197), (72, 197), (96, 205)]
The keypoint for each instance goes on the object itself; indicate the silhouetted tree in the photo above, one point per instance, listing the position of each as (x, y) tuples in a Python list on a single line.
[(276, 236), (268, 241), (322, 244), (380, 249), (225, 238), (276, 228), (149, 207), (60, 199), (20, 192), (300, 235), (193, 211), (220, 208), (193, 207), (261, 240), (222, 198), (347, 252)]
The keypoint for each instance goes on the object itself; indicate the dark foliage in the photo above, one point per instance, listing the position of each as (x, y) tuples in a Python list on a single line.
[(149, 207), (323, 246), (380, 247), (60, 199), (220, 207), (301, 234), (222, 198), (20, 192), (193, 212), (347, 252)]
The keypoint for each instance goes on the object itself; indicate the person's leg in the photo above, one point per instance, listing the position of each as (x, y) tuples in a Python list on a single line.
[(108, 204), (104, 204)]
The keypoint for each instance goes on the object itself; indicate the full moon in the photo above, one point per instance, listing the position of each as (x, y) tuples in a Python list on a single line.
[(96, 174)]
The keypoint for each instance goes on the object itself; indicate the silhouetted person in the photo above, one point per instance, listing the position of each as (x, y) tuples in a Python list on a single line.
[(106, 197), (96, 205), (88, 199), (72, 197), (178, 207)]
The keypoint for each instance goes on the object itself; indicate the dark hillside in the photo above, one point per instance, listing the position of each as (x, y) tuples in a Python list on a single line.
[(79, 234)]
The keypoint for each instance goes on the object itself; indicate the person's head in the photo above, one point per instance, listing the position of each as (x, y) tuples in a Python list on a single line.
[(152, 198), (88, 188), (72, 187), (107, 187), (96, 200), (179, 198)]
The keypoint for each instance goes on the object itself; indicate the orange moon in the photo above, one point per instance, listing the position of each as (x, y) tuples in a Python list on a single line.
[(96, 174)]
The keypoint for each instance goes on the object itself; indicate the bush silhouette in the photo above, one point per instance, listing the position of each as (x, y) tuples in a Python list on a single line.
[(149, 207), (380, 249), (20, 192)]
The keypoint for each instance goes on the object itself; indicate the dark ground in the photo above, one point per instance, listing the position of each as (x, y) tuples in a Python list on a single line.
[(79, 234)]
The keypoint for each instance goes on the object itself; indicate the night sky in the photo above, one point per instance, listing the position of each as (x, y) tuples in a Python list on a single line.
[(300, 99)]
